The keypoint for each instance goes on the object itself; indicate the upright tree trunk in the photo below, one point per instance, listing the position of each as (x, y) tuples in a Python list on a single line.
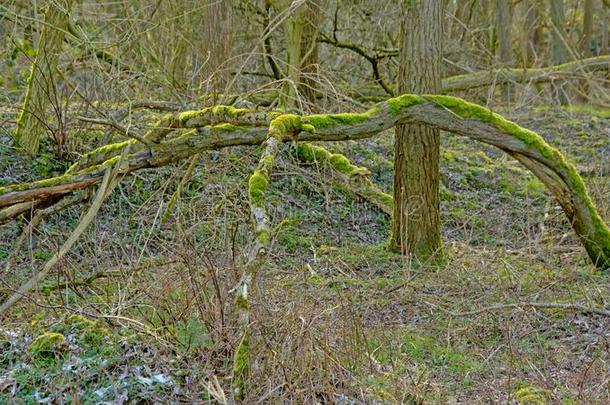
[(503, 26), (604, 45), (40, 90), (529, 35), (559, 49), (301, 30), (587, 29), (309, 50), (416, 227), (463, 15), (219, 31)]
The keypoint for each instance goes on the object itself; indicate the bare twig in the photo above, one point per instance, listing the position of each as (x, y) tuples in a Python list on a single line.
[(108, 183), (520, 305)]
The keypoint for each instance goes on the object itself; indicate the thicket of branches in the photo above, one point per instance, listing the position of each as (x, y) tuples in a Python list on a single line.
[(167, 81)]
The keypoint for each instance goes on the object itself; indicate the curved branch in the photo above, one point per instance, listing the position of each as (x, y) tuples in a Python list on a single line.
[(355, 178), (451, 114)]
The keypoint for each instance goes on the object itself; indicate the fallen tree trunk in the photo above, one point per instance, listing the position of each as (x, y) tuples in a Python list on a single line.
[(478, 79), (221, 126), (535, 75), (499, 77)]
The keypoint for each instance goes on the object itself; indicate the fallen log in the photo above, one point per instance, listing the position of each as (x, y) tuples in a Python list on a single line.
[(516, 75), (202, 131), (500, 76)]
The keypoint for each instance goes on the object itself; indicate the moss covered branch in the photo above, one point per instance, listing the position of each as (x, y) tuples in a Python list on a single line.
[(504, 76), (258, 183), (355, 178), (249, 127)]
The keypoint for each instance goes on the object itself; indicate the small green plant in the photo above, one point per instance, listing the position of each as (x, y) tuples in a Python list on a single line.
[(530, 395), (193, 335), (48, 346)]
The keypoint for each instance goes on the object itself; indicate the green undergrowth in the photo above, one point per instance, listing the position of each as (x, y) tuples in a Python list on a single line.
[(425, 350), (80, 358), (335, 314)]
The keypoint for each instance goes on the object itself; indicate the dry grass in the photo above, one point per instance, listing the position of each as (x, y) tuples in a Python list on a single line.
[(337, 318)]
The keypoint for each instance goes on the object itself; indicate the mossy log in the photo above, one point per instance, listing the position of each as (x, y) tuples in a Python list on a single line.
[(482, 78), (535, 75), (248, 127)]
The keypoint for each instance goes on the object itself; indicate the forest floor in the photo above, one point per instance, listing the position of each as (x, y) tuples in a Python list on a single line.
[(337, 318)]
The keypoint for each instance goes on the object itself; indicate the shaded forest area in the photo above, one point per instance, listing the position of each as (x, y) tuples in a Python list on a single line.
[(309, 201)]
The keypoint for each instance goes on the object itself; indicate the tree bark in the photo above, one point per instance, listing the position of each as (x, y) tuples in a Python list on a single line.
[(416, 229), (219, 31), (503, 24), (537, 75), (309, 49), (505, 47), (604, 43), (559, 49), (301, 30), (587, 28), (40, 90), (531, 34)]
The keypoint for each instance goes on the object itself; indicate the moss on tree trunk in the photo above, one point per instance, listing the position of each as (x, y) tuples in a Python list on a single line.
[(40, 91)]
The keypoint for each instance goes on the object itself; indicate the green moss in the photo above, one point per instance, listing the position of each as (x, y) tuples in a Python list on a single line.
[(91, 334), (397, 104), (386, 198), (229, 111), (312, 153), (242, 302), (49, 345), (328, 120), (532, 396), (226, 127), (267, 161), (53, 181), (98, 154), (103, 150), (425, 349), (257, 185), (449, 156), (308, 128), (600, 246), (285, 124), (375, 194), (263, 236), (109, 163), (588, 110), (341, 163), (80, 322), (467, 110), (184, 117), (241, 362)]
